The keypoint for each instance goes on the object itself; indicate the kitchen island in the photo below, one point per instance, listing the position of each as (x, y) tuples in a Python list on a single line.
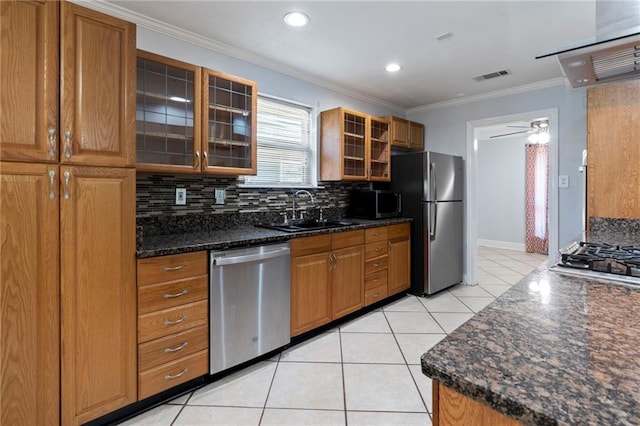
[(554, 349)]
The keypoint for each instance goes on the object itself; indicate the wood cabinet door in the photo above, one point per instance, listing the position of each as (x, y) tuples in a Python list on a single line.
[(98, 83), (310, 292), (399, 265), (29, 294), (98, 287), (347, 281), (416, 136), (229, 124), (399, 132), (29, 78), (613, 146)]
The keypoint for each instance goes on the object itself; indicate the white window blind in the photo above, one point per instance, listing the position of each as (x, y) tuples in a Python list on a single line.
[(285, 151)]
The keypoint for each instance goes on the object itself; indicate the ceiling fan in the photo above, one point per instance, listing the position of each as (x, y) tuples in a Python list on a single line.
[(537, 126)]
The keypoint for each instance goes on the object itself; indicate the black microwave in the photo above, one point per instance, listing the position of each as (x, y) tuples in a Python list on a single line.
[(374, 204)]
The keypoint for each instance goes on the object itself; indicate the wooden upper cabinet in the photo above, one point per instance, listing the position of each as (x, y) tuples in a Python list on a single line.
[(29, 77), (98, 288), (613, 147), (67, 85), (29, 294), (353, 146), (168, 115), (98, 65), (229, 124), (405, 133), (399, 131), (416, 136)]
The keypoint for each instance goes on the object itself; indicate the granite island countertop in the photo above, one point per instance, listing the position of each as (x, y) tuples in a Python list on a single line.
[(554, 349), (240, 236)]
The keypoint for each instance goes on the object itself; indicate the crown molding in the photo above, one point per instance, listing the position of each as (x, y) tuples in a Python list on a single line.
[(490, 95), (225, 49)]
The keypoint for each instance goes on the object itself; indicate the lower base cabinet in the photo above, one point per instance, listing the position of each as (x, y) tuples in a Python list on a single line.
[(451, 408), (338, 274), (173, 319)]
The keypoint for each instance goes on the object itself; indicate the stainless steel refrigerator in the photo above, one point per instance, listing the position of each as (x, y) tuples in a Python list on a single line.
[(432, 194)]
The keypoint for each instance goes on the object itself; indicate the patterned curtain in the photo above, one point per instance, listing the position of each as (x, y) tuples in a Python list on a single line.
[(536, 208)]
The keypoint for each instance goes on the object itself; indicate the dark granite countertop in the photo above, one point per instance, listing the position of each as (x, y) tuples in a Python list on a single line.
[(240, 236), (554, 349)]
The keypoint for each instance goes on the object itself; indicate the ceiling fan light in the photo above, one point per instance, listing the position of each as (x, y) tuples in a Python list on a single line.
[(296, 19), (543, 137), (533, 138)]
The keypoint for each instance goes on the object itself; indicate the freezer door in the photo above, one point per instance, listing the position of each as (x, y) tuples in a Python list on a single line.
[(443, 177), (443, 245)]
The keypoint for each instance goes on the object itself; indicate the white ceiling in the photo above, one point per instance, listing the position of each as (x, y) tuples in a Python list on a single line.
[(348, 43)]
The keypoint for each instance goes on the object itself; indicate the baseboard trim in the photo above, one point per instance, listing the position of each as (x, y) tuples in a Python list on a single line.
[(501, 244)]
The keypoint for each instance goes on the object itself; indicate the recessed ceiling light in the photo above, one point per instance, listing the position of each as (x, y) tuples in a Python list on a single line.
[(393, 68), (296, 19)]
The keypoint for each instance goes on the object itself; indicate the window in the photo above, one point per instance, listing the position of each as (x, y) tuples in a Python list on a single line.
[(286, 154)]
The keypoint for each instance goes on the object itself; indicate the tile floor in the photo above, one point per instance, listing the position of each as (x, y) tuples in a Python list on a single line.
[(365, 372)]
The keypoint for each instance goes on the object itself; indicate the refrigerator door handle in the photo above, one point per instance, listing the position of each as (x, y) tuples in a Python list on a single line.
[(434, 220), (435, 184)]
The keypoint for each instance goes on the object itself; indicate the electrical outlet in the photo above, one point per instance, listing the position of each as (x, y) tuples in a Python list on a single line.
[(220, 195), (563, 181), (181, 196)]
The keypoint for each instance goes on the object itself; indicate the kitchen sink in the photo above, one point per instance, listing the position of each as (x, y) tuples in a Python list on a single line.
[(307, 225)]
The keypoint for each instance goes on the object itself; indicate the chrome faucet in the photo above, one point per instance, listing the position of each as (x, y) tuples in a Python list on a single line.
[(293, 202)]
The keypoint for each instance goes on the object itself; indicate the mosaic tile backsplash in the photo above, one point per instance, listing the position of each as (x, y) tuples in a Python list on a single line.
[(157, 214)]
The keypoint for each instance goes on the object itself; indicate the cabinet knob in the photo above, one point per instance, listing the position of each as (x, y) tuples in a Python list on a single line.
[(67, 176), (196, 162), (52, 184), (205, 161)]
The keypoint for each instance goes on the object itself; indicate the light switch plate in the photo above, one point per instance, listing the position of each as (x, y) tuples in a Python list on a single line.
[(563, 181), (181, 196), (220, 195)]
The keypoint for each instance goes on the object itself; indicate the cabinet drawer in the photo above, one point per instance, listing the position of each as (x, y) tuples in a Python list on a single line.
[(166, 295), (168, 321), (347, 238), (170, 348), (168, 375), (402, 230), (375, 234), (375, 294), (376, 279), (375, 265), (171, 268), (378, 248), (310, 245)]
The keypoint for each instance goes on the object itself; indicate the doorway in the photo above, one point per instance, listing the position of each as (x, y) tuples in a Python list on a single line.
[(476, 130)]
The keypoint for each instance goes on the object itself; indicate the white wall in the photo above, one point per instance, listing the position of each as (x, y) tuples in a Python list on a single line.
[(446, 132), (501, 191)]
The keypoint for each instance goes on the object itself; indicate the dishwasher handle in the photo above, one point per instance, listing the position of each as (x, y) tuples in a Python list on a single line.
[(221, 261)]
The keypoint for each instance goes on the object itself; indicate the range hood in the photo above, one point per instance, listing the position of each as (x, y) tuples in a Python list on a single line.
[(614, 54)]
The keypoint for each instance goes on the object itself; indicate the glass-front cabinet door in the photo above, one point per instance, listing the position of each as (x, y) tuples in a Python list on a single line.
[(379, 150), (229, 124), (167, 110), (354, 150)]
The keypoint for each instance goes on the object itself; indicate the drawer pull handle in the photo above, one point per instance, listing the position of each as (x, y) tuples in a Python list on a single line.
[(375, 295), (176, 349), (174, 268), (170, 296), (178, 321), (376, 280), (175, 376), (376, 264), (378, 249)]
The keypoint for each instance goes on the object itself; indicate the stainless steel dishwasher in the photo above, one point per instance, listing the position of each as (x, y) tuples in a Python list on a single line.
[(249, 303)]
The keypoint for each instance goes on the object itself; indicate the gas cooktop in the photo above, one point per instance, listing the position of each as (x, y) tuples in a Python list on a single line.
[(601, 260)]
